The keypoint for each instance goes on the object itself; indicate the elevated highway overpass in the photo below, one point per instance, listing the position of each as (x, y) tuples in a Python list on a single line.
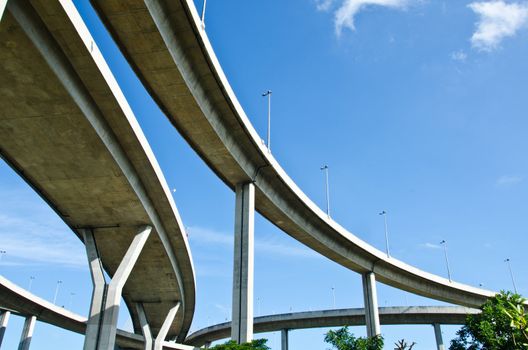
[(166, 45), (400, 315), (68, 131)]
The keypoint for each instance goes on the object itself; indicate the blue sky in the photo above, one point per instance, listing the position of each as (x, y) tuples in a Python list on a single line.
[(418, 107)]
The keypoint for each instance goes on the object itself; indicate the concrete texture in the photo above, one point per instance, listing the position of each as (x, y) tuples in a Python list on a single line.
[(438, 337), (21, 302), (167, 47), (337, 318), (27, 333), (370, 297), (284, 339), (243, 264), (4, 321), (67, 129)]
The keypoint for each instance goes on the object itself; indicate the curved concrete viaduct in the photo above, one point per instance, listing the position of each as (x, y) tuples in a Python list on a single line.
[(19, 301), (68, 131), (416, 315), (166, 45)]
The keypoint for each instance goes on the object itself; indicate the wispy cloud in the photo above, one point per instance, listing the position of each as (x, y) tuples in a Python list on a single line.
[(345, 14), (459, 55), (431, 246), (39, 243), (324, 5), (498, 20), (508, 180), (207, 236)]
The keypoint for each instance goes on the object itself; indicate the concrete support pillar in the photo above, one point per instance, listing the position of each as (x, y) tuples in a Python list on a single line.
[(3, 5), (145, 328), (284, 339), (162, 334), (438, 336), (242, 317), (371, 304), (207, 345), (104, 310), (4, 319), (27, 333)]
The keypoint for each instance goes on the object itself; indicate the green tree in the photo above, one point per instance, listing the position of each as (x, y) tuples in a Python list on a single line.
[(518, 316), (491, 329), (342, 339), (403, 345), (258, 344)]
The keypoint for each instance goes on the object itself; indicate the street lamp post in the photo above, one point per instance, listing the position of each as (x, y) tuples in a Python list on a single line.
[(70, 302), (384, 214), (59, 282), (203, 14), (325, 169), (333, 295), (31, 279), (444, 243), (268, 94), (2, 253), (511, 275)]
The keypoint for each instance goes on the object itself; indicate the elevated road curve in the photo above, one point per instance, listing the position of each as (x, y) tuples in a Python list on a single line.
[(21, 302), (166, 45), (427, 315), (67, 129)]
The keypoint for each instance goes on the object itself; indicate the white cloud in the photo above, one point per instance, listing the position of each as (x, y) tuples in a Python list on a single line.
[(459, 55), (431, 245), (508, 180), (346, 13), (324, 5), (207, 236), (497, 21), (32, 243)]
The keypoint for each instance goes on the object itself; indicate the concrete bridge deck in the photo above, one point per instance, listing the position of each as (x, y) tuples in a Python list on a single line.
[(166, 45), (416, 315), (23, 303), (68, 131)]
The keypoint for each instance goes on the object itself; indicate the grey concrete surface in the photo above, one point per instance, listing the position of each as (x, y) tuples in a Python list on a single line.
[(4, 321), (285, 342), (370, 297), (145, 329), (160, 338), (164, 42), (243, 264), (21, 302), (438, 337), (27, 333), (67, 129), (401, 315)]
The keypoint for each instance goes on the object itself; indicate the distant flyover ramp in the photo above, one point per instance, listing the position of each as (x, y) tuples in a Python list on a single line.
[(403, 315)]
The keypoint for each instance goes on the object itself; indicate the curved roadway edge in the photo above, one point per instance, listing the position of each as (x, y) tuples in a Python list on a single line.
[(165, 44), (336, 318), (19, 301), (68, 48)]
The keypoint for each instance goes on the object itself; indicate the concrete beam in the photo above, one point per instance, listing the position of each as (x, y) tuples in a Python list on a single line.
[(4, 319), (145, 328), (3, 5), (104, 309), (162, 334), (98, 292), (284, 339), (108, 331), (242, 324), (371, 304), (27, 333), (438, 336)]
